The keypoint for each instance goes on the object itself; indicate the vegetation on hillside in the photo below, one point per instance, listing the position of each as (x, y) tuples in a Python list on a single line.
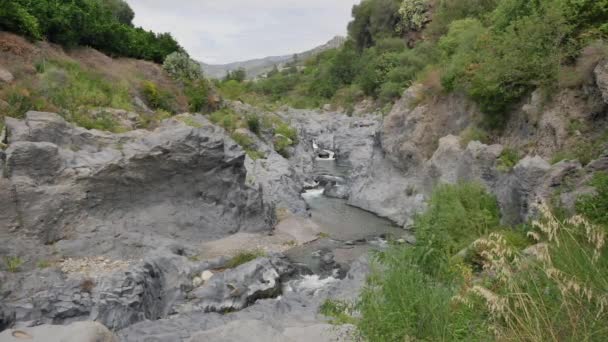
[(468, 279), (495, 51), (105, 25)]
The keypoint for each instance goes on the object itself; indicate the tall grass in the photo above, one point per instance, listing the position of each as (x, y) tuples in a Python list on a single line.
[(559, 295), (410, 296), (556, 290)]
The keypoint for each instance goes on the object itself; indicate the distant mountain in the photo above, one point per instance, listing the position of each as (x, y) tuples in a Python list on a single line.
[(257, 67)]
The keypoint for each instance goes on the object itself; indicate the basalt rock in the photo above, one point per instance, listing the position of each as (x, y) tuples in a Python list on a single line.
[(237, 288), (145, 189)]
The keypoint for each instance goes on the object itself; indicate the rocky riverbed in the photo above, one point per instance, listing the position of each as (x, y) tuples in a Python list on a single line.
[(129, 237)]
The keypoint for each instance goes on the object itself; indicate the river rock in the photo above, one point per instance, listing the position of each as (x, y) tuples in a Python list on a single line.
[(75, 332), (176, 183), (236, 288)]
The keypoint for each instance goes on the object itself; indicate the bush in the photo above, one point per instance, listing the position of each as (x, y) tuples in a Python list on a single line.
[(101, 24), (456, 215), (413, 15), (253, 123), (155, 97), (181, 67), (508, 159), (595, 207), (198, 95), (390, 91), (287, 131)]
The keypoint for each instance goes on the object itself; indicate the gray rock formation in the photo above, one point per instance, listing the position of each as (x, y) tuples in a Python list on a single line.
[(237, 288), (76, 187), (294, 315)]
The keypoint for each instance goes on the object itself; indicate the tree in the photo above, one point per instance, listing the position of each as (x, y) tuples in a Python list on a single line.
[(181, 67), (238, 75)]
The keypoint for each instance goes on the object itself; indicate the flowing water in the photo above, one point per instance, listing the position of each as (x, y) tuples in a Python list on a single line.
[(340, 220), (351, 231)]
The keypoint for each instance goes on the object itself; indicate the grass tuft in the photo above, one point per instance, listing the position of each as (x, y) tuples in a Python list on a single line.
[(244, 257)]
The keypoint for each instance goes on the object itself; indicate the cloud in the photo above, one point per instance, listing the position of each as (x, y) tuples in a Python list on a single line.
[(223, 31)]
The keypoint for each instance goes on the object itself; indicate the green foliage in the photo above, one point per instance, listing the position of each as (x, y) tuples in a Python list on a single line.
[(198, 95), (253, 123), (225, 118), (244, 257), (427, 273), (449, 11), (13, 263), (508, 159), (373, 20), (102, 121), (248, 145), (595, 207), (15, 17), (156, 98), (238, 75), (413, 15), (42, 264), (287, 131), (473, 133), (403, 303), (456, 215), (341, 312), (232, 89), (102, 24), (181, 67)]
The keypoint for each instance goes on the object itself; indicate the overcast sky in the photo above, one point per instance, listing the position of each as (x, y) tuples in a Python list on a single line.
[(223, 31)]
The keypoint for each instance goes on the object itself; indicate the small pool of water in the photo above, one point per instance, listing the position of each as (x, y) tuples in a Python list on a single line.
[(338, 219), (351, 231)]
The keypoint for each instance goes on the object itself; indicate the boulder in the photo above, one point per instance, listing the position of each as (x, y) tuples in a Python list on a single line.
[(176, 183), (6, 76), (75, 332), (237, 288)]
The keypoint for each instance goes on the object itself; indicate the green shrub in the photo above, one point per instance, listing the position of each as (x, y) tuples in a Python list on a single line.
[(232, 89), (156, 98), (473, 133), (198, 95), (13, 263), (102, 121), (508, 159), (595, 207), (253, 123), (413, 14), (244, 257), (181, 67), (390, 91), (287, 131), (102, 24), (456, 216)]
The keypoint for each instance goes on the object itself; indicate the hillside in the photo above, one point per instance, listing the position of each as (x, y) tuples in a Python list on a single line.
[(257, 67)]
